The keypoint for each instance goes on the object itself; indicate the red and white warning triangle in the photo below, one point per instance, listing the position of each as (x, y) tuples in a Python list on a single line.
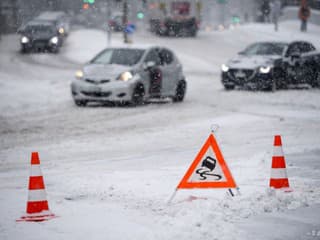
[(209, 169)]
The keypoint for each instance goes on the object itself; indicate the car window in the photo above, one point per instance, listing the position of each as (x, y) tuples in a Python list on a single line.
[(105, 57), (307, 47), (153, 57), (300, 47), (294, 48), (40, 29), (251, 49), (166, 57), (126, 57), (265, 49)]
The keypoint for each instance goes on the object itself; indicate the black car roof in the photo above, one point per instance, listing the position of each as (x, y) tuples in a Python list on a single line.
[(51, 16), (39, 22), (272, 42)]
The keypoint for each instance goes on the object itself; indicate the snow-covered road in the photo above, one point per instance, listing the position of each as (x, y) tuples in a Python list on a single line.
[(110, 170)]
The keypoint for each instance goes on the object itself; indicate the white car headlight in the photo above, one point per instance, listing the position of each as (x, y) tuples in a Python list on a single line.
[(265, 69), (24, 39), (126, 76), (224, 68), (61, 30), (79, 74), (54, 40)]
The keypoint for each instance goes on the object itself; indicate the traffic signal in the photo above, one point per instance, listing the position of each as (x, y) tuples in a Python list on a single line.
[(140, 15), (235, 19), (85, 6)]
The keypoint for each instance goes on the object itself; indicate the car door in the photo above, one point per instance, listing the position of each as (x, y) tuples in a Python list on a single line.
[(299, 69), (169, 71), (293, 62), (306, 64), (153, 74)]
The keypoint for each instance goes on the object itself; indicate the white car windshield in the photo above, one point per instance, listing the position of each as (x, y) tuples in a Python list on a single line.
[(264, 49), (126, 57)]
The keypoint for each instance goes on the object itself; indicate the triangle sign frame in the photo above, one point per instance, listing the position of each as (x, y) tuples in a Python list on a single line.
[(229, 181)]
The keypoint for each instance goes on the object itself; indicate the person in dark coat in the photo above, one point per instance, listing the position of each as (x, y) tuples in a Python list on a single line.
[(304, 14), (275, 12), (265, 11)]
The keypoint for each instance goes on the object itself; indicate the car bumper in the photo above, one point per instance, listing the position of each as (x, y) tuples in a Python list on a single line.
[(115, 91), (257, 81), (39, 45)]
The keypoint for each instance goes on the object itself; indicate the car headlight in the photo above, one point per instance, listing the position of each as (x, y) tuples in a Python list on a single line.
[(265, 69), (79, 74), (61, 30), (54, 40), (126, 76), (224, 68), (24, 39)]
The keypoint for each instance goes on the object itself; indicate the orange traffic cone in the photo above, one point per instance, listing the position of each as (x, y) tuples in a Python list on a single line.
[(279, 178), (37, 205)]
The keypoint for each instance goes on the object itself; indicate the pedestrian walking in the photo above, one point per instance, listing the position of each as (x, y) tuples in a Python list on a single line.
[(304, 14), (275, 13), (265, 11)]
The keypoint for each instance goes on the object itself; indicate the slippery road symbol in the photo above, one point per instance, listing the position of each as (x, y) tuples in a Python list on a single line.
[(208, 170), (207, 167)]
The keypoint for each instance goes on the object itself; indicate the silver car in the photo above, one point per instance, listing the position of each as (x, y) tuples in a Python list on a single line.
[(130, 75)]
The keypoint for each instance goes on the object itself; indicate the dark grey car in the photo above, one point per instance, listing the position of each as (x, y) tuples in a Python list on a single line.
[(273, 65), (40, 36)]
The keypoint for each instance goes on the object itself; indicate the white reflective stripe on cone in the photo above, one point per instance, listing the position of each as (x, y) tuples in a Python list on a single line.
[(40, 214), (37, 195), (35, 171), (277, 151), (278, 173)]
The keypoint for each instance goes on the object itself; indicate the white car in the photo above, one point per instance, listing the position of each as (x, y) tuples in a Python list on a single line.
[(130, 75)]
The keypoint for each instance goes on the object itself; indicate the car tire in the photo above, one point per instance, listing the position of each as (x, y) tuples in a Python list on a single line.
[(54, 50), (24, 50), (279, 80), (282, 84), (180, 91), (80, 103), (229, 87), (273, 86), (138, 95), (193, 33), (316, 81)]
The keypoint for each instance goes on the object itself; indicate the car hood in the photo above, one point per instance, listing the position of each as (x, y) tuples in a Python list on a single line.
[(40, 36), (101, 71), (252, 62)]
